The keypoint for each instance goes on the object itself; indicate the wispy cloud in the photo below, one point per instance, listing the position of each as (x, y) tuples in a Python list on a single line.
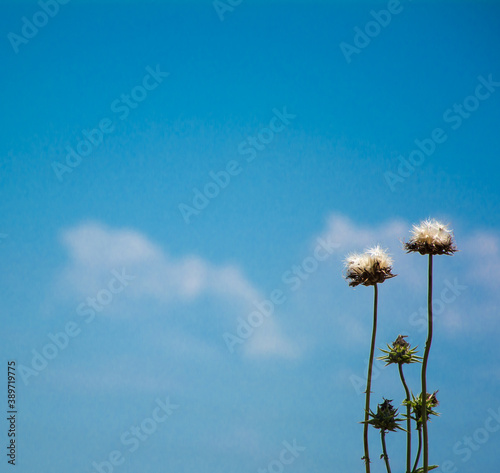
[(351, 235), (483, 252), (320, 310), (95, 250)]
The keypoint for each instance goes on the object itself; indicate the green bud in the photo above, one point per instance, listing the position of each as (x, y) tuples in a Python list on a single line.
[(386, 417), (400, 352), (416, 406)]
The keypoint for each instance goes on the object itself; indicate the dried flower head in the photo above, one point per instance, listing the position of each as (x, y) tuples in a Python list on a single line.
[(372, 267), (416, 405), (400, 352), (386, 417), (431, 238)]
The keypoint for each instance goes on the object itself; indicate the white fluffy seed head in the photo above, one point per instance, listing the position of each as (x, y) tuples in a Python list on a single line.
[(431, 231), (368, 268), (431, 237)]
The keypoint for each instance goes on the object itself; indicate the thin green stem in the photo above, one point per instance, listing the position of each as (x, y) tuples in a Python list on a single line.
[(424, 370), (419, 449), (384, 450), (369, 380), (408, 419)]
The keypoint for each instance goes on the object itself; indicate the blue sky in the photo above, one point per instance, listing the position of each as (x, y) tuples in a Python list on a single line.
[(289, 154)]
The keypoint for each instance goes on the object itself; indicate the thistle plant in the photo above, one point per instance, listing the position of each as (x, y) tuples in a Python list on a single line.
[(431, 238), (401, 353), (385, 420), (369, 269), (415, 406)]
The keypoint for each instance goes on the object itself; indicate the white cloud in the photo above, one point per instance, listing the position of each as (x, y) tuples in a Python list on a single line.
[(482, 249), (96, 250), (321, 307), (349, 235)]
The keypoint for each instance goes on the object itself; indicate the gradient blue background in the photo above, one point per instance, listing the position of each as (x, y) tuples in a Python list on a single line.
[(323, 176)]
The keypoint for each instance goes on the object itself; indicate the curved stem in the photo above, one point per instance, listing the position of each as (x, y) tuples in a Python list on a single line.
[(419, 449), (424, 370), (369, 379), (384, 450), (408, 419)]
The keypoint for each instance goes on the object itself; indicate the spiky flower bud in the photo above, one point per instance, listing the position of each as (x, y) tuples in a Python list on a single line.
[(369, 268), (431, 237), (400, 352), (386, 417), (416, 405)]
